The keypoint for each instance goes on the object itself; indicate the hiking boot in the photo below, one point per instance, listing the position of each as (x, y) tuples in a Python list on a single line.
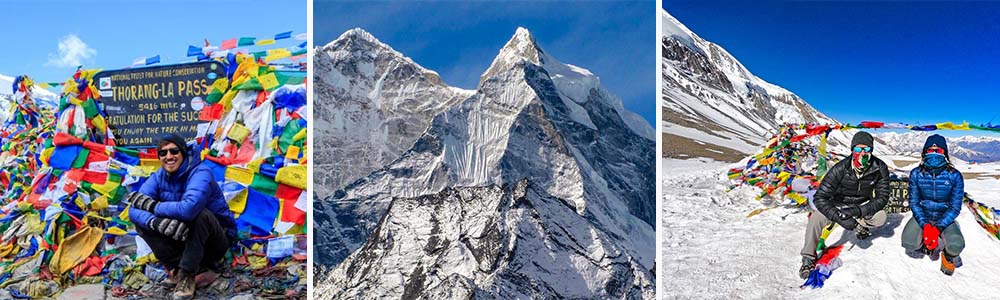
[(185, 286), (171, 281), (947, 266), (955, 260), (808, 264), (862, 233)]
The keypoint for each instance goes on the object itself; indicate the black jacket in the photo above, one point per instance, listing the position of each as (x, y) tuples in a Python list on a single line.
[(841, 187)]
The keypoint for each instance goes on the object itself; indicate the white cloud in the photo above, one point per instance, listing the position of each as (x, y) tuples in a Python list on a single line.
[(72, 52)]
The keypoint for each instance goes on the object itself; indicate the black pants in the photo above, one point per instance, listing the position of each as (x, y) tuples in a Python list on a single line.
[(206, 243)]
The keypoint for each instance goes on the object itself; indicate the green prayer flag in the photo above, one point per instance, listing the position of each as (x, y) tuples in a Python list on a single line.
[(246, 41), (265, 185), (81, 159)]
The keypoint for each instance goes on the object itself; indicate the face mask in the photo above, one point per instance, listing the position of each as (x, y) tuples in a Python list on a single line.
[(861, 160), (935, 160)]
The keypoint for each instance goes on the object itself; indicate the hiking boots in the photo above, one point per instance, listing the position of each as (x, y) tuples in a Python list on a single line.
[(171, 280), (185, 286), (947, 265), (808, 264), (862, 233)]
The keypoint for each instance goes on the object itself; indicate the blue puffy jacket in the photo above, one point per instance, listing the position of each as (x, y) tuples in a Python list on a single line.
[(184, 194), (936, 195)]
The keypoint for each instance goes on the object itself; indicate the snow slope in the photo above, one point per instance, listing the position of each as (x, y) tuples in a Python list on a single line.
[(711, 250)]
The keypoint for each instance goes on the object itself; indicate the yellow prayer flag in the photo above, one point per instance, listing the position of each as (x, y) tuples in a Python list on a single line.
[(239, 203), (124, 214), (299, 135), (293, 152), (220, 84), (238, 133), (240, 175), (276, 54), (952, 126), (268, 81), (99, 203), (254, 165), (292, 175), (265, 42)]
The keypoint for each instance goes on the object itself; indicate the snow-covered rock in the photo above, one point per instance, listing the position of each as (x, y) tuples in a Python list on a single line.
[(372, 103), (713, 106)]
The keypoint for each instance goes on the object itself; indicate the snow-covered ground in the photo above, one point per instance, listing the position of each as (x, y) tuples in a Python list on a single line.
[(711, 250)]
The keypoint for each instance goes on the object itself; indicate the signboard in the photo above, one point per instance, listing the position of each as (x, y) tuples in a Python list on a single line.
[(899, 196), (143, 104)]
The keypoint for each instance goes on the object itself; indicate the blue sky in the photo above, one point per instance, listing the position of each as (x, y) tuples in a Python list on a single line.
[(117, 32), (614, 40), (885, 61)]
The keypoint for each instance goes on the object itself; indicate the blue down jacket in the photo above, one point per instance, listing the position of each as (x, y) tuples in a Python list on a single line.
[(184, 194), (936, 195)]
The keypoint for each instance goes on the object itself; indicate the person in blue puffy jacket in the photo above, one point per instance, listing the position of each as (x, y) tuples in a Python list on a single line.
[(181, 214), (936, 193)]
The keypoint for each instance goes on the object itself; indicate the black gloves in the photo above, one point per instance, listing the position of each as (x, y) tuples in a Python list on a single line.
[(848, 224), (852, 211), (143, 202), (172, 228)]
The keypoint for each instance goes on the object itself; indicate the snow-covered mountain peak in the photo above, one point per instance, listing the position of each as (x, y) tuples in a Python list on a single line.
[(358, 34), (521, 47), (359, 43), (674, 28)]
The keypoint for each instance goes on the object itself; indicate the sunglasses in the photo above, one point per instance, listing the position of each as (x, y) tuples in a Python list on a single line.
[(938, 151), (862, 149), (163, 152)]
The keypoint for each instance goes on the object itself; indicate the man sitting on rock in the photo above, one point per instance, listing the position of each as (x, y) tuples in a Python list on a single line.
[(852, 194), (182, 215)]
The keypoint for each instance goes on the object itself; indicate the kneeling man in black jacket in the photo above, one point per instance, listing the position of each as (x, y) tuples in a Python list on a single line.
[(852, 194)]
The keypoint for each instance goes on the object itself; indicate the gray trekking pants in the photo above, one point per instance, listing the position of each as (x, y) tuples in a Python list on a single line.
[(951, 239), (817, 221)]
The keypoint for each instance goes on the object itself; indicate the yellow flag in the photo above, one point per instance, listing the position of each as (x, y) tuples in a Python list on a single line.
[(265, 42), (952, 126), (276, 54), (99, 203), (293, 152), (238, 133), (220, 84), (292, 175), (268, 81), (239, 203), (240, 175)]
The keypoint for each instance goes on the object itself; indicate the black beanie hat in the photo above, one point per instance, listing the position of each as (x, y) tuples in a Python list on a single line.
[(176, 140), (863, 138), (938, 140)]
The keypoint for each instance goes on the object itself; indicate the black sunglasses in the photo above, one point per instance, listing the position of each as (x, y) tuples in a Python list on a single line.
[(163, 152)]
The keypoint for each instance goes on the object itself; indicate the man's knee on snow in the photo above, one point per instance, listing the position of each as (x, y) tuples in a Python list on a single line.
[(876, 220)]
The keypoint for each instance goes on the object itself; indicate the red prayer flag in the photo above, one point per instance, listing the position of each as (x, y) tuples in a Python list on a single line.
[(228, 44), (870, 124)]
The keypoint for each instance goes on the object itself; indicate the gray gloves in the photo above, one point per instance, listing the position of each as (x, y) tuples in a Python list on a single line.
[(143, 202), (172, 228)]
